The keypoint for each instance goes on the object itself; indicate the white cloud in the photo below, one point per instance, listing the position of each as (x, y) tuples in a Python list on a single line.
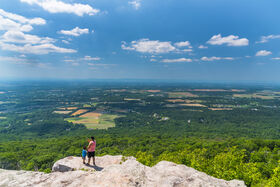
[(149, 46), (44, 48), (276, 58), (69, 60), (186, 50), (10, 21), (153, 60), (21, 19), (56, 6), (215, 58), (89, 58), (65, 41), (30, 43), (135, 4), (183, 44), (176, 60), (202, 47), (14, 39), (265, 39), (263, 53), (74, 32), (230, 40), (20, 37)]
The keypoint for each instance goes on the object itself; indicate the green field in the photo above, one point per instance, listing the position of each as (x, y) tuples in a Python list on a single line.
[(105, 121)]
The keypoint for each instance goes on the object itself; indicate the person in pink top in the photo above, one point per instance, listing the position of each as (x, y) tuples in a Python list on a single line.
[(91, 150)]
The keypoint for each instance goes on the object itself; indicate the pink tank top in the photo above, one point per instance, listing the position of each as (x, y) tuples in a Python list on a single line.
[(92, 146)]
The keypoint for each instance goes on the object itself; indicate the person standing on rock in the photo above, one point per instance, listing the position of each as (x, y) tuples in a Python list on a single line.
[(91, 150)]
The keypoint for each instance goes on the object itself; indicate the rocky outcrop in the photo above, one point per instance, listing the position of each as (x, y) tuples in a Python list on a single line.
[(114, 171)]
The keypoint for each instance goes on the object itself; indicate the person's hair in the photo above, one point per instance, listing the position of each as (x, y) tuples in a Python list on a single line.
[(92, 138), (84, 147)]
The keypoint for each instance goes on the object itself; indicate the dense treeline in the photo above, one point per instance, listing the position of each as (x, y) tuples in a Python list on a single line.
[(254, 161)]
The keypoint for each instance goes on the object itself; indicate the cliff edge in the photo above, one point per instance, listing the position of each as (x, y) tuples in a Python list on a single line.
[(113, 171)]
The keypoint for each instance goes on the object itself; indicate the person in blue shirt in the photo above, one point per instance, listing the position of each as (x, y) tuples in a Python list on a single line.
[(84, 154)]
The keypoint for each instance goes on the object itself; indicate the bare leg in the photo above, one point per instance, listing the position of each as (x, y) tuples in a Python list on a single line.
[(89, 160), (93, 160)]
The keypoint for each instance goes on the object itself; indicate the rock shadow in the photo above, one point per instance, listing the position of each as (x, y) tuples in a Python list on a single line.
[(97, 168)]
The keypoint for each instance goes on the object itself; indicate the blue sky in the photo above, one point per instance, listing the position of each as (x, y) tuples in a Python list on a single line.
[(194, 40)]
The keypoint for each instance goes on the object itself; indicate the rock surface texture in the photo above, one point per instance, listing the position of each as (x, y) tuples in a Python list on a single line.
[(114, 171)]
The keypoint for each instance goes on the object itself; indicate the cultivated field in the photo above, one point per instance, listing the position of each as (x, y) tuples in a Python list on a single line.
[(62, 112), (92, 114), (192, 104), (153, 91), (131, 99), (215, 109), (68, 108), (180, 94), (95, 120), (255, 95), (78, 112)]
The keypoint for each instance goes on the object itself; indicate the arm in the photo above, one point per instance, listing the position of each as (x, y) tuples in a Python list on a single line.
[(90, 143)]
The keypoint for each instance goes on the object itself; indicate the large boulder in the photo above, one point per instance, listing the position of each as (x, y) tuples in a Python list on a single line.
[(114, 171)]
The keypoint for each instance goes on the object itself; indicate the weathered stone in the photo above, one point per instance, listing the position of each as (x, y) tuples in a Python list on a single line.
[(114, 171)]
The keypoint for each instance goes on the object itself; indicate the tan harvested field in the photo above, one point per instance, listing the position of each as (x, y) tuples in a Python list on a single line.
[(131, 99), (68, 108), (153, 91), (72, 108), (236, 90), (62, 112), (181, 94), (78, 112), (176, 100), (193, 101), (214, 109), (92, 114), (193, 104), (209, 90)]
